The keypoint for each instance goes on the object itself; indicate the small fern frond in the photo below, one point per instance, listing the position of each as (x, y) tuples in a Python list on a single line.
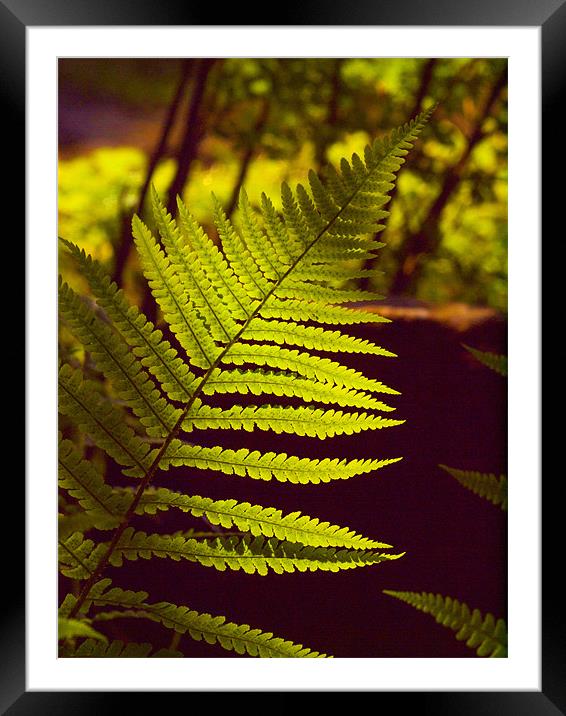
[(248, 272), (146, 343), (72, 628), (258, 466), (240, 638), (258, 382), (283, 419), (113, 357), (305, 365), (79, 557), (84, 483), (116, 649), (105, 424), (311, 337), (253, 555), (495, 361), (185, 261), (265, 521), (484, 634), (179, 312), (486, 485), (319, 312), (221, 274), (78, 522)]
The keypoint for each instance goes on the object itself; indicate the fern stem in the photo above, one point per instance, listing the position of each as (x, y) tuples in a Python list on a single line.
[(120, 529)]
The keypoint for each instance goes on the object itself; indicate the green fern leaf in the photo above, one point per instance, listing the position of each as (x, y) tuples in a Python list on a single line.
[(305, 365), (78, 557), (282, 419), (220, 273), (258, 520), (185, 322), (250, 276), (311, 337), (84, 483), (156, 354), (281, 467), (253, 555), (213, 629), (114, 358), (258, 285), (185, 261), (116, 649), (298, 310), (263, 251), (484, 634), (105, 424), (496, 362), (486, 485), (71, 628), (259, 382)]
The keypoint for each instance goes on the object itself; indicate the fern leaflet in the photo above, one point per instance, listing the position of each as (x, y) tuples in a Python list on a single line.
[(484, 634)]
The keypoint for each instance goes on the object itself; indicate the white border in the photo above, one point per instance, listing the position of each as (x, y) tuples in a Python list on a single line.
[(521, 671)]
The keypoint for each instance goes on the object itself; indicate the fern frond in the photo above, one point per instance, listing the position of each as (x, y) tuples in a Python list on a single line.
[(253, 555), (178, 310), (283, 419), (147, 343), (186, 262), (84, 483), (266, 521), (260, 246), (78, 557), (258, 382), (250, 275), (104, 423), (305, 365), (484, 634), (486, 485), (71, 628), (297, 310), (113, 357), (116, 649), (222, 276), (213, 629), (281, 467), (495, 361), (311, 337), (77, 522)]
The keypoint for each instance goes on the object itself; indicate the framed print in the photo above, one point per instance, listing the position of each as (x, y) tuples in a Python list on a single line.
[(121, 118)]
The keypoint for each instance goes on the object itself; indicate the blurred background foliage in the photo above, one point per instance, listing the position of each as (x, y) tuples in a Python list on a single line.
[(199, 125)]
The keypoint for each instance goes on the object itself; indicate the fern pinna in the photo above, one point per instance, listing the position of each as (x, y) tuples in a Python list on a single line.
[(485, 634), (239, 318)]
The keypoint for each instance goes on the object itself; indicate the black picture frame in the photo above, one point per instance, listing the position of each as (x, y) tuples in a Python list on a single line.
[(550, 16)]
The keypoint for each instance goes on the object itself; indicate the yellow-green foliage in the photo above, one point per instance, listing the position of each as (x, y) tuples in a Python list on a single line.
[(239, 303), (484, 634)]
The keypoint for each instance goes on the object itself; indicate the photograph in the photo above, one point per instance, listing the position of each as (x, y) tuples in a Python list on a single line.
[(282, 346)]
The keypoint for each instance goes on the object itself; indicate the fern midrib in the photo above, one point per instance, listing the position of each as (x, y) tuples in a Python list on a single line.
[(103, 563)]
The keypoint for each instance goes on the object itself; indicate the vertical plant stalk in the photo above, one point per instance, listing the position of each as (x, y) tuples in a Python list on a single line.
[(427, 239), (124, 246), (193, 133)]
